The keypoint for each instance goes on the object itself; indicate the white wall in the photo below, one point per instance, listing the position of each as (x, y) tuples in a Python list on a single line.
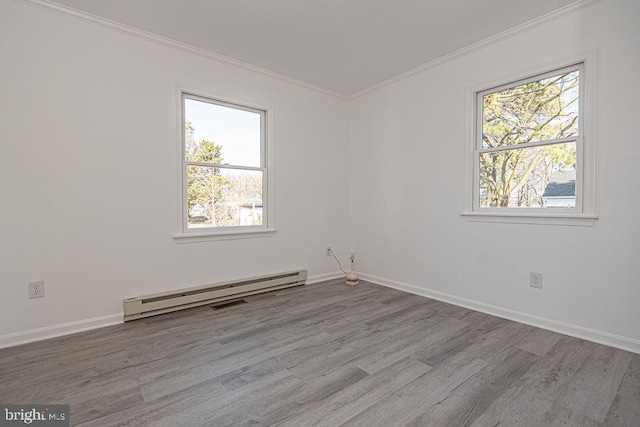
[(88, 174), (406, 149), (87, 178)]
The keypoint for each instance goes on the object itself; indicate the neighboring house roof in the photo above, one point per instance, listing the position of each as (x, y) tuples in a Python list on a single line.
[(561, 184)]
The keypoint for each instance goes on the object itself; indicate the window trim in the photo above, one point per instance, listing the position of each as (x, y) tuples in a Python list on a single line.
[(182, 234), (585, 211)]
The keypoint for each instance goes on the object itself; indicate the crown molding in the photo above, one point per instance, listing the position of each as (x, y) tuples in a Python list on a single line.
[(536, 22), (167, 42)]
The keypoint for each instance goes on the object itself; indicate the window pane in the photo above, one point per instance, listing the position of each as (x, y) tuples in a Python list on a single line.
[(537, 177), (220, 197), (537, 111), (217, 134)]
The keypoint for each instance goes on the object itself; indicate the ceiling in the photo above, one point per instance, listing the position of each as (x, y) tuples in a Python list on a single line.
[(341, 45)]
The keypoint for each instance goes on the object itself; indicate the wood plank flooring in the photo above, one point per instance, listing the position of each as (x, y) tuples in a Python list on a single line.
[(328, 355)]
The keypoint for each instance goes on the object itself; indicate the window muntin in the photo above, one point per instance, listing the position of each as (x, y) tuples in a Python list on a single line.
[(528, 134), (224, 165)]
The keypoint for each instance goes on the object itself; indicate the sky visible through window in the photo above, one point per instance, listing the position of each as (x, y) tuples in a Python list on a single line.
[(237, 131)]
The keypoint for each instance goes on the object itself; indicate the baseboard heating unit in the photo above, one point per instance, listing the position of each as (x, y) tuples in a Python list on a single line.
[(151, 305)]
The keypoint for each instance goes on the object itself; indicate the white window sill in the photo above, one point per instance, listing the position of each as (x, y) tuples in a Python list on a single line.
[(207, 236), (582, 220)]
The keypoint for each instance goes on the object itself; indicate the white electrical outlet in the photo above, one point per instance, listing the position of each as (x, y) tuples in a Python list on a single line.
[(535, 280), (328, 251), (36, 289)]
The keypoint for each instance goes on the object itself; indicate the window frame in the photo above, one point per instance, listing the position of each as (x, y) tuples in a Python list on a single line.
[(584, 213), (182, 232)]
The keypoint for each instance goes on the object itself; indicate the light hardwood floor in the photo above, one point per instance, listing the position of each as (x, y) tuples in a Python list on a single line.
[(327, 354)]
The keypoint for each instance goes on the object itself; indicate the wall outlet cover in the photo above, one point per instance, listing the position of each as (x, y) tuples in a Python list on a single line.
[(36, 289), (535, 280)]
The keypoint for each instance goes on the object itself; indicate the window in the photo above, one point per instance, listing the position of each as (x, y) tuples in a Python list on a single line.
[(530, 150), (224, 168)]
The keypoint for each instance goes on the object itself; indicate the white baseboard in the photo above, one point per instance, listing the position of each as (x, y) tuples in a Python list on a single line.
[(323, 277), (38, 334), (600, 337), (597, 336)]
